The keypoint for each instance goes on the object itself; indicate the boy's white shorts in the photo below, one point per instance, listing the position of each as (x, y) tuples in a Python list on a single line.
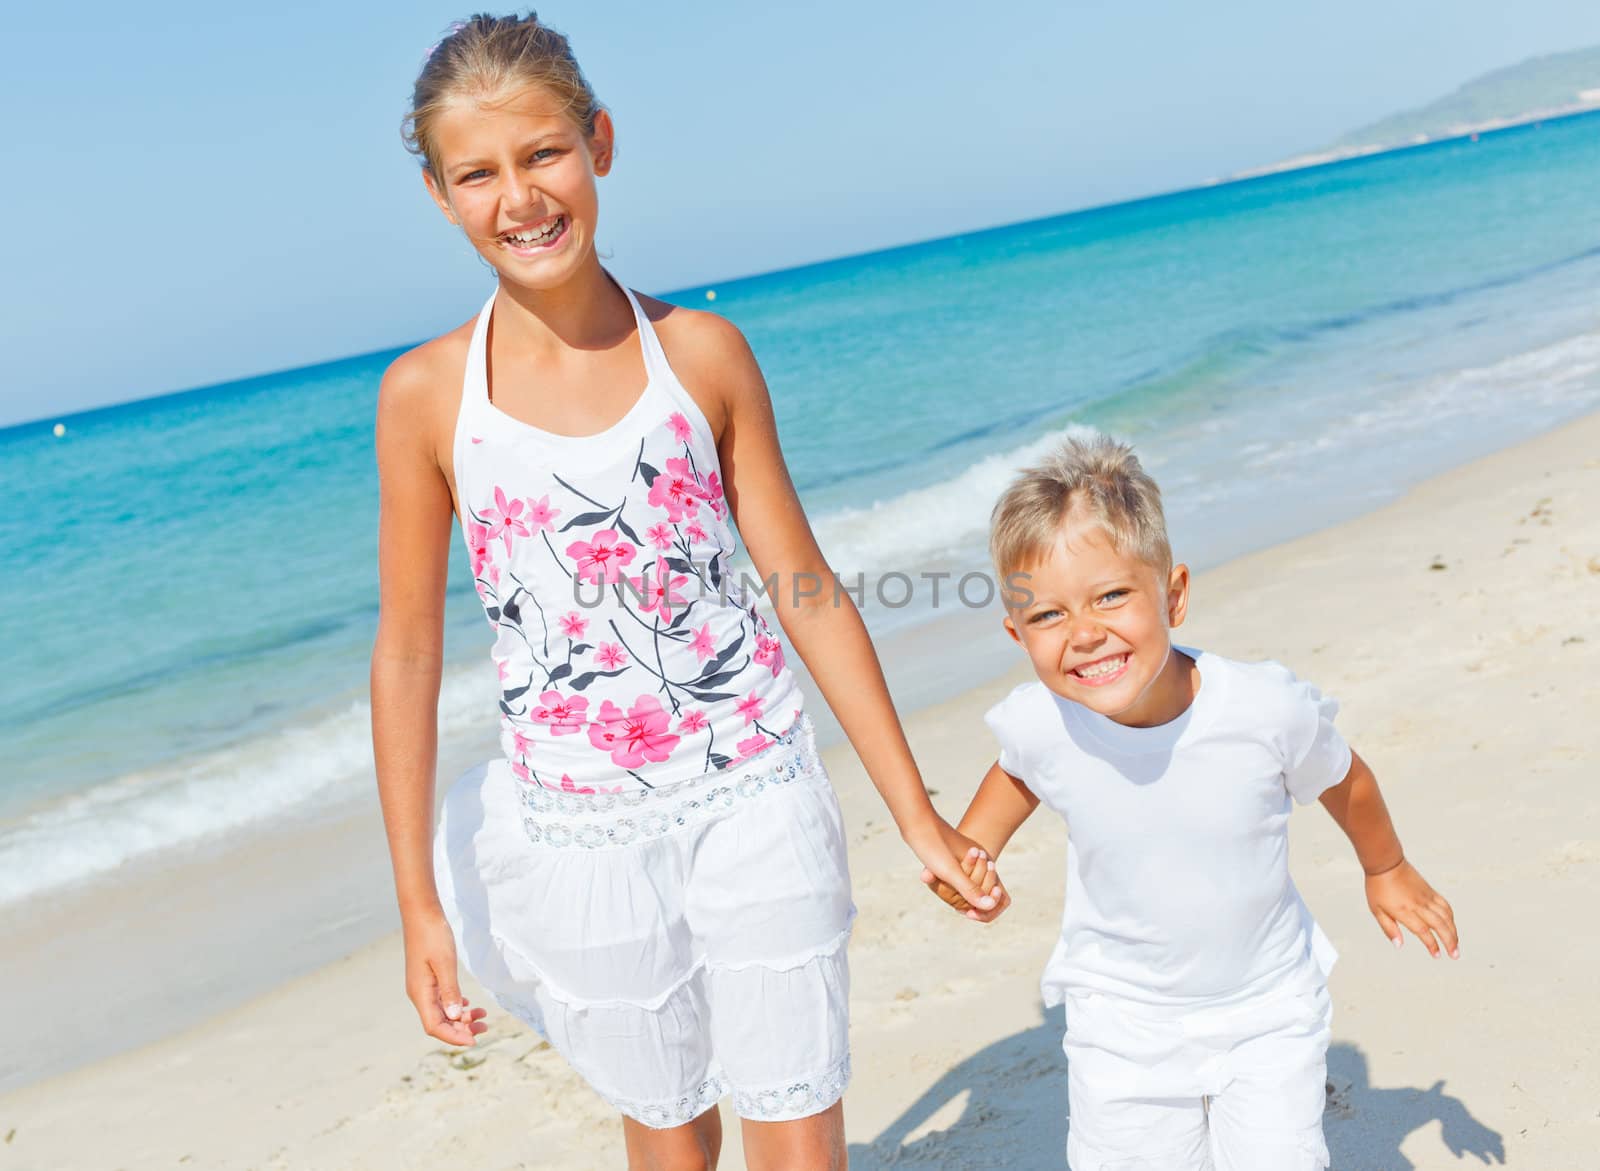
[(1237, 1088), (674, 946)]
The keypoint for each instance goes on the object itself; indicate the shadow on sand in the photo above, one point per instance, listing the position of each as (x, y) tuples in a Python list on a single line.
[(1006, 1106), (1365, 1125)]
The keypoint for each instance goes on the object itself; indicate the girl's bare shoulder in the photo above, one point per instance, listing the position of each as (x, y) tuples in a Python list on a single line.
[(433, 369), (421, 389), (709, 355)]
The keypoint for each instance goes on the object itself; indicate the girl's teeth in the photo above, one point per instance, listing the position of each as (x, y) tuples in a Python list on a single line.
[(539, 237)]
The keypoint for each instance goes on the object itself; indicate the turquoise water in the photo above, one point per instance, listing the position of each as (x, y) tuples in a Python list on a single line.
[(189, 590)]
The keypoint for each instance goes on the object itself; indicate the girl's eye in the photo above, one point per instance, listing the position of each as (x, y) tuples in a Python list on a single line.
[(467, 178), (545, 152)]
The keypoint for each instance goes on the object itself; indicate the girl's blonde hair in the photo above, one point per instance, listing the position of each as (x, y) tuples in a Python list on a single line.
[(491, 57), (1097, 478)]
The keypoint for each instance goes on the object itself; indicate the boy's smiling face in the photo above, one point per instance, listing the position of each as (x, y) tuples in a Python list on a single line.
[(1098, 624)]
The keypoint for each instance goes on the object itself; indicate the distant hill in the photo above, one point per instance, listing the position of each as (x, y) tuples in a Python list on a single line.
[(1561, 83), (1541, 87)]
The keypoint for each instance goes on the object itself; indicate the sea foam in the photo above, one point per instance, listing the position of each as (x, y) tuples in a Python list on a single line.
[(325, 759)]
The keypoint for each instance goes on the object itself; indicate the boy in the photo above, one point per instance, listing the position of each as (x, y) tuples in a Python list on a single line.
[(1193, 975)]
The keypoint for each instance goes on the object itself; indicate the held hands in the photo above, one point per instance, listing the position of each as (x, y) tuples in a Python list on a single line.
[(1399, 896), (945, 854), (431, 982), (980, 871)]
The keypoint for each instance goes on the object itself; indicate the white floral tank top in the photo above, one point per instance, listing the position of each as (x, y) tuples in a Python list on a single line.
[(628, 658)]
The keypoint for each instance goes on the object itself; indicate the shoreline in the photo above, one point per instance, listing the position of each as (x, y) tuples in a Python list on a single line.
[(318, 914), (330, 1069)]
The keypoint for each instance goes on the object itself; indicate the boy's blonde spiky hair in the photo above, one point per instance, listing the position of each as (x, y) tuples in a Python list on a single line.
[(1097, 478)]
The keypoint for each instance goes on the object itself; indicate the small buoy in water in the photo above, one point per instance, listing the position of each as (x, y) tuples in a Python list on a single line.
[(60, 429), (711, 294), (1474, 137)]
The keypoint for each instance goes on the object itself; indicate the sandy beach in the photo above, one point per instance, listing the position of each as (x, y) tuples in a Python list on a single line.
[(1460, 627)]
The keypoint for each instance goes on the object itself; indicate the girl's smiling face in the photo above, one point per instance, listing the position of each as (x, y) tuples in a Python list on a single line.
[(1097, 628), (517, 174)]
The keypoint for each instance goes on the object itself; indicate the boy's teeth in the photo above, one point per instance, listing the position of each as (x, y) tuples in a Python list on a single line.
[(1103, 667)]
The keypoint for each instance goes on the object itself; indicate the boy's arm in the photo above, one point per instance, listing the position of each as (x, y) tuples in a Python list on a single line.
[(999, 807), (1396, 893)]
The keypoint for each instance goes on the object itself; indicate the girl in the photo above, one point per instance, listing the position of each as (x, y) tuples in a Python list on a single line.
[(654, 874)]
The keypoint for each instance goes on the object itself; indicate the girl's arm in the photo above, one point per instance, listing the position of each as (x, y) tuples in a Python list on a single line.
[(997, 810), (822, 622), (1396, 893), (407, 658)]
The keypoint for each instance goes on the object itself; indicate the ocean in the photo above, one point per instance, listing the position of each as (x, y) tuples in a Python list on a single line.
[(189, 589)]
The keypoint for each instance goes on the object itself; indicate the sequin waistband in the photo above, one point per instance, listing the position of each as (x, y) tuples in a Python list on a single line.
[(592, 821)]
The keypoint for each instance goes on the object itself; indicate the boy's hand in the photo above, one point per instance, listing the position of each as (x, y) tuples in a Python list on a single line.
[(1400, 895), (980, 869)]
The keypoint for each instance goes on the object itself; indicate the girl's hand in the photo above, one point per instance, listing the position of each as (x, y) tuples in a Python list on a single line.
[(431, 982), (1400, 895), (979, 868)]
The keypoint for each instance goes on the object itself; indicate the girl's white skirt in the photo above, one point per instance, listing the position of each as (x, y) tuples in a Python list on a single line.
[(674, 945)]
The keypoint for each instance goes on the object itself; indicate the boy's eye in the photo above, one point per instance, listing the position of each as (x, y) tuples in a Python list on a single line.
[(1113, 596), (1045, 616)]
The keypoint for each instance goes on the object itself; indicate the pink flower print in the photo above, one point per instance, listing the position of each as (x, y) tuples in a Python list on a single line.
[(748, 748), (713, 491), (677, 491), (750, 708), (769, 653), (564, 713), (658, 592), (505, 518), (568, 785), (680, 427), (693, 721), (702, 645), (477, 439), (610, 655), (520, 771), (541, 515), (635, 736), (695, 532), (602, 560), (520, 744), (660, 535), (573, 624), (478, 539)]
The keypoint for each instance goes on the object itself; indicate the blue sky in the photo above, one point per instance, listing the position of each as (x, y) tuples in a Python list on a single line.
[(210, 191)]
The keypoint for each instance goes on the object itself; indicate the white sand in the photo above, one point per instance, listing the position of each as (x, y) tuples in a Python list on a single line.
[(1471, 688)]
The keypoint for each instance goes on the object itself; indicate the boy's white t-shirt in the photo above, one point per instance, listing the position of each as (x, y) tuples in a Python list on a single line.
[(1178, 887)]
